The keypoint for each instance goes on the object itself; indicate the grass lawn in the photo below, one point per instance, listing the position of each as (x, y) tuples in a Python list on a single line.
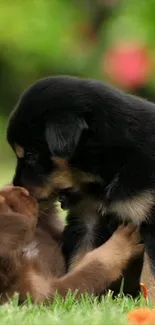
[(7, 157), (87, 311)]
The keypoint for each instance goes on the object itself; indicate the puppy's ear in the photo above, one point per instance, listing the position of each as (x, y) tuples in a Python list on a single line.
[(63, 137)]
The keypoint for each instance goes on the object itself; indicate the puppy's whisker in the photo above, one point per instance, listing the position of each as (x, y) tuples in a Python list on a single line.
[(100, 237), (42, 215), (45, 221)]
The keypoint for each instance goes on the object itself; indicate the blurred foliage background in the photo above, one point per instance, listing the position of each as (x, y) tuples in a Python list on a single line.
[(111, 40)]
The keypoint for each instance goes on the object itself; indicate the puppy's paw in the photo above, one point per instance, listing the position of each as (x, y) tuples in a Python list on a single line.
[(15, 231), (18, 218), (17, 199), (127, 243)]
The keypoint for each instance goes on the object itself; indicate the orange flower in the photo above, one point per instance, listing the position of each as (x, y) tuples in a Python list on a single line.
[(141, 316), (144, 290)]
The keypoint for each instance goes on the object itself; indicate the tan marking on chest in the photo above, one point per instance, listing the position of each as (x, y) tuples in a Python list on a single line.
[(134, 209), (31, 250)]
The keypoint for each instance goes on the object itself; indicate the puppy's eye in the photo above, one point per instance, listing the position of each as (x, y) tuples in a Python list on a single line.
[(28, 154), (30, 158)]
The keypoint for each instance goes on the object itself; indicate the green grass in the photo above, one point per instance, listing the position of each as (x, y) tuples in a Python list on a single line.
[(7, 157), (6, 172), (87, 311)]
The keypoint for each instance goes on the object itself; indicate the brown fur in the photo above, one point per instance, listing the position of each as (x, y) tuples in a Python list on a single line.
[(30, 255), (28, 244)]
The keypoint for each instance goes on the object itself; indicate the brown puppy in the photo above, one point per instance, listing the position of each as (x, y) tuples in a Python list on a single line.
[(31, 260), (29, 243)]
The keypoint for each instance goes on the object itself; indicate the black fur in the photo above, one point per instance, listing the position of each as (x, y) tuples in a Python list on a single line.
[(105, 227), (111, 131), (99, 129)]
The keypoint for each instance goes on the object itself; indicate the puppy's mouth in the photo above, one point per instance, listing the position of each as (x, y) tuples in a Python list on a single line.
[(42, 199), (66, 197), (63, 200), (61, 196)]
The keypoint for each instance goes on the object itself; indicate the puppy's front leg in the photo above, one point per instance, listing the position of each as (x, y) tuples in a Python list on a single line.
[(94, 274), (104, 265), (18, 218), (148, 273)]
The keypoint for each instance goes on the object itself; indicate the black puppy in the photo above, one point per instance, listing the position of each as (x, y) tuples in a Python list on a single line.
[(86, 137)]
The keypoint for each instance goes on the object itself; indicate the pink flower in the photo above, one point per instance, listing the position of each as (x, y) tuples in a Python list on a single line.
[(128, 65)]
